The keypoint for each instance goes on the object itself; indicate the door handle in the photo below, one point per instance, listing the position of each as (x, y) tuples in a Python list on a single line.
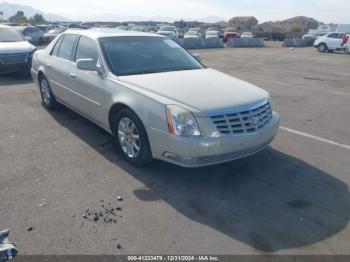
[(73, 76), (48, 65)]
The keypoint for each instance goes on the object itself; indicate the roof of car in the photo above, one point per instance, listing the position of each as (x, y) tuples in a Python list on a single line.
[(23, 27), (108, 32)]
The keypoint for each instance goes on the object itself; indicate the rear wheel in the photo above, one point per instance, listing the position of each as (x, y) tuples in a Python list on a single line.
[(48, 99), (322, 48), (131, 138)]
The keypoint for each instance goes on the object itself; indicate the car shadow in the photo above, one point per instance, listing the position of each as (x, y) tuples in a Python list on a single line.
[(271, 201), (12, 79)]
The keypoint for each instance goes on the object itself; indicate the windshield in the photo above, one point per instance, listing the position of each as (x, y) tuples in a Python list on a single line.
[(9, 35), (192, 33), (167, 28), (212, 33), (143, 55)]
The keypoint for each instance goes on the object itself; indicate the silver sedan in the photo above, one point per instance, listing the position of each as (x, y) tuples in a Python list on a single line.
[(156, 99)]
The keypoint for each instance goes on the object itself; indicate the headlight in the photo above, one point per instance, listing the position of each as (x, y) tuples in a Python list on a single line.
[(181, 122)]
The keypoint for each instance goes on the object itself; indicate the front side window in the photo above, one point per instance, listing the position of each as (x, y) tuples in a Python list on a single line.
[(86, 49), (142, 55), (9, 35), (67, 46)]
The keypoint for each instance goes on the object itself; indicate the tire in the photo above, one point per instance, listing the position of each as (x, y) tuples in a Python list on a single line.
[(47, 97), (131, 138), (322, 48)]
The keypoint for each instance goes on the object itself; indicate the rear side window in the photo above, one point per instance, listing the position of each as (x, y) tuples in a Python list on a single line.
[(86, 49), (67, 47), (334, 35), (57, 47)]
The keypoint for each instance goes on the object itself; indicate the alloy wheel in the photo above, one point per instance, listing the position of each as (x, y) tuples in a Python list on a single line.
[(45, 91), (129, 137)]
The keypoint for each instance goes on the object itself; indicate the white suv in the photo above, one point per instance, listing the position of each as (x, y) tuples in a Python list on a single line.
[(330, 42)]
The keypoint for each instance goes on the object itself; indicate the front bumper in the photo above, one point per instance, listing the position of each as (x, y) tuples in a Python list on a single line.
[(12, 68), (205, 151)]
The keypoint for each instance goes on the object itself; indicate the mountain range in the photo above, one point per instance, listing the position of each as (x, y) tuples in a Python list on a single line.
[(11, 9)]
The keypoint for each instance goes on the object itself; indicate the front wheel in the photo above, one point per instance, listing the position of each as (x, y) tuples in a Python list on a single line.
[(48, 99), (131, 138)]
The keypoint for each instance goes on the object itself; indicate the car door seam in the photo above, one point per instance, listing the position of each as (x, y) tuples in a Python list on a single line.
[(70, 90)]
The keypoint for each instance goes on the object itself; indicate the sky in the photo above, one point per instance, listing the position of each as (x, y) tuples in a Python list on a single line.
[(336, 11)]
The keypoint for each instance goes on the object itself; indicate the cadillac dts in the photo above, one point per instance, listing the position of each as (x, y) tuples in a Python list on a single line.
[(155, 98)]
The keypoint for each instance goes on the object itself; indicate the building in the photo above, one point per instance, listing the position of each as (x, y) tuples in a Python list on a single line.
[(270, 31), (270, 27), (243, 23), (343, 28), (300, 24)]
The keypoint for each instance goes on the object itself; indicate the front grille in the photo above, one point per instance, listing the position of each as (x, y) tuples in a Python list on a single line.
[(12, 59), (243, 122)]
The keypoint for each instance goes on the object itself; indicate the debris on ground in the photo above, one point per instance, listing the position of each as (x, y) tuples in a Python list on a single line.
[(105, 214), (119, 246), (42, 204), (7, 250), (120, 198), (29, 228)]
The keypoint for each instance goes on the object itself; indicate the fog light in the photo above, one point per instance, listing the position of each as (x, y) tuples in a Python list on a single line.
[(188, 161)]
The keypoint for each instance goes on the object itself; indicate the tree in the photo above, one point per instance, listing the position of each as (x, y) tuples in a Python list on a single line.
[(37, 19), (19, 17)]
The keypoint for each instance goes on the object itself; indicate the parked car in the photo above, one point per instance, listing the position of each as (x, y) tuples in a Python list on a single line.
[(330, 42), (169, 31), (346, 43), (155, 98), (50, 35), (193, 34), (124, 28), (35, 34), (45, 28), (230, 33), (138, 29), (195, 29), (212, 34), (213, 29), (15, 52), (247, 35)]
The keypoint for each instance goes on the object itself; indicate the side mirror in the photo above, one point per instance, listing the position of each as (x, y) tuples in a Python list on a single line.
[(197, 57), (89, 65), (28, 38)]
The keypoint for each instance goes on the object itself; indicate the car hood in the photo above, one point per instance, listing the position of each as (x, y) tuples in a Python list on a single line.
[(16, 47), (203, 91)]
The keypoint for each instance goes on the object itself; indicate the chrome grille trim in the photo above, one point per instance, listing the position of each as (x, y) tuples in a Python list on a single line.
[(204, 160), (12, 59), (241, 122)]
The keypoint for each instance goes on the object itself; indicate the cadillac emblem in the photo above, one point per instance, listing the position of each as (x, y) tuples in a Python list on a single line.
[(255, 120)]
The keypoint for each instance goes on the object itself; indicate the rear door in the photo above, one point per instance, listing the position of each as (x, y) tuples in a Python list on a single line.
[(334, 41), (57, 66)]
